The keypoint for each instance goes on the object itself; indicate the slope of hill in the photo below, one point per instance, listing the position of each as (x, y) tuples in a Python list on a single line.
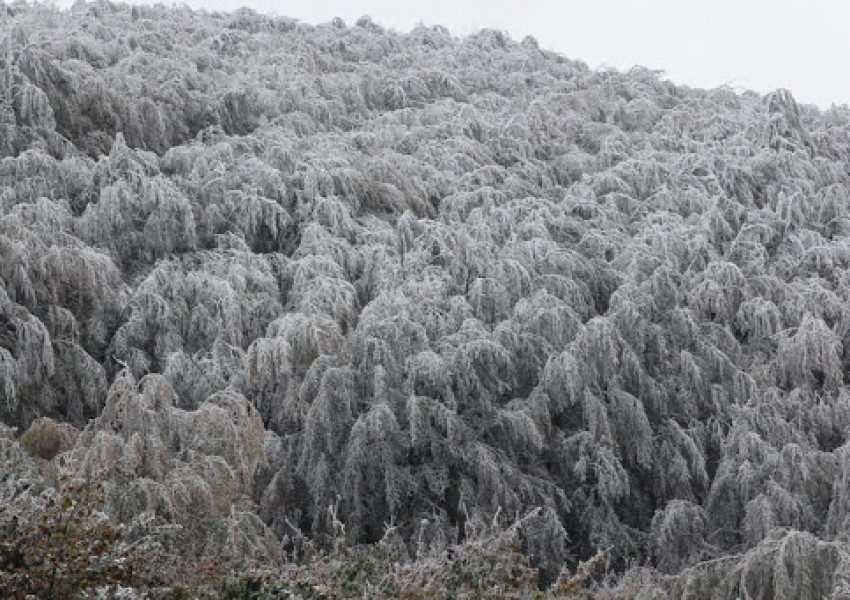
[(269, 268)]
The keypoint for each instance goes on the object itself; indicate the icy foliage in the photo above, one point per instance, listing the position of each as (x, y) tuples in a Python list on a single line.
[(784, 565), (190, 468), (267, 268)]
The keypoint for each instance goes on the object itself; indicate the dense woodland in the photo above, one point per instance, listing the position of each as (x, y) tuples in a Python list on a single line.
[(265, 285)]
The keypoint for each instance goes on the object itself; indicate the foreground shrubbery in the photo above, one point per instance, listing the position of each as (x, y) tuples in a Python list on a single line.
[(488, 564), (58, 544)]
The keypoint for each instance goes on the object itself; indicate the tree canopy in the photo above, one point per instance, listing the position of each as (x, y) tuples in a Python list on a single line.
[(267, 268)]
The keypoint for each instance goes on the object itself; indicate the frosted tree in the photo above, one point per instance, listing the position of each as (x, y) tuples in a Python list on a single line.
[(792, 564), (489, 299), (810, 354), (192, 469), (483, 370), (678, 535), (380, 271), (784, 129), (140, 225), (261, 221), (326, 428), (549, 317), (758, 319), (195, 377), (630, 428), (309, 336), (376, 486), (718, 291), (327, 296)]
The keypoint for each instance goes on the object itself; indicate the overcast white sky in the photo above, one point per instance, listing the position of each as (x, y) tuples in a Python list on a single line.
[(803, 45)]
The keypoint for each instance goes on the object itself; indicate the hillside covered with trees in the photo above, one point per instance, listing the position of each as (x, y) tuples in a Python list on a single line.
[(270, 289)]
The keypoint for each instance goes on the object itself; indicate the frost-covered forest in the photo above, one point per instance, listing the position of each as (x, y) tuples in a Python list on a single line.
[(262, 282)]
